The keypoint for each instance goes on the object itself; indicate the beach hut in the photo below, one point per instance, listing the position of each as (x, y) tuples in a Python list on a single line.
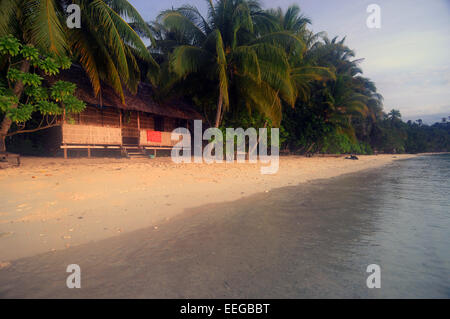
[(138, 125)]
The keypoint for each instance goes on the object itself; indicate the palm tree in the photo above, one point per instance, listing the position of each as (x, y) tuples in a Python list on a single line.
[(250, 67), (290, 20), (349, 96), (394, 115), (106, 46), (304, 71)]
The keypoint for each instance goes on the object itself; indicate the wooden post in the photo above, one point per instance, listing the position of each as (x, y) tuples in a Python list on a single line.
[(138, 120), (62, 131), (154, 151), (139, 127), (120, 119), (89, 152)]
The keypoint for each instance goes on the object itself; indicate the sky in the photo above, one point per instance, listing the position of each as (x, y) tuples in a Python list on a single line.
[(408, 57)]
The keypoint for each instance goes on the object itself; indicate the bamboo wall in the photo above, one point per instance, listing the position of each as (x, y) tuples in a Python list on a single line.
[(99, 117), (147, 121), (90, 135), (96, 126)]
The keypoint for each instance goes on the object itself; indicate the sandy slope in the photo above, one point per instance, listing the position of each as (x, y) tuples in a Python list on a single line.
[(51, 204)]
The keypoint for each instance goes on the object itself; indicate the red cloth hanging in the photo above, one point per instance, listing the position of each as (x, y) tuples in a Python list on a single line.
[(153, 136)]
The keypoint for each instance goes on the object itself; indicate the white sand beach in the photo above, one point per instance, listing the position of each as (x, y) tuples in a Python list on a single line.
[(50, 204)]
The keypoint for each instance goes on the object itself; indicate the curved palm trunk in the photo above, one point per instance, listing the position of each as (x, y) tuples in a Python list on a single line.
[(219, 109), (6, 123)]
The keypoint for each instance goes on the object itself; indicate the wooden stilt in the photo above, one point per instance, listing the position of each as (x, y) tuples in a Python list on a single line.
[(154, 152), (121, 129), (89, 152), (65, 153)]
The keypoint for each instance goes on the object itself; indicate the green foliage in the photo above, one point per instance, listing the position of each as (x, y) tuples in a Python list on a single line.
[(61, 90), (62, 61), (338, 143), (35, 97), (9, 45), (14, 74), (49, 66), (36, 93), (20, 114), (48, 108), (264, 67), (392, 135), (30, 53), (31, 79), (6, 101), (73, 105), (107, 45), (247, 69)]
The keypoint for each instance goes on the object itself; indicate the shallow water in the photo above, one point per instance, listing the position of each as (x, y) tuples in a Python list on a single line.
[(324, 235), (397, 217), (312, 240)]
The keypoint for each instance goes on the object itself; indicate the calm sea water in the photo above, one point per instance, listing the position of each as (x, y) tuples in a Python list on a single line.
[(317, 239), (314, 240), (410, 227), (397, 217)]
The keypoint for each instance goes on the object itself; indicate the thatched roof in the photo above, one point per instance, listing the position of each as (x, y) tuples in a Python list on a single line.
[(142, 101)]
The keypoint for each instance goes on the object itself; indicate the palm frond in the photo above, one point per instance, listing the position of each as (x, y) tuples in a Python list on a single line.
[(189, 59), (8, 11), (43, 25), (222, 69)]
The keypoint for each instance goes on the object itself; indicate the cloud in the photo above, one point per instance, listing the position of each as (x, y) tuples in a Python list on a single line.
[(407, 58)]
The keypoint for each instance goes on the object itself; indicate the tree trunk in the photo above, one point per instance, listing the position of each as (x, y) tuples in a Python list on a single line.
[(2, 143), (6, 123), (219, 109)]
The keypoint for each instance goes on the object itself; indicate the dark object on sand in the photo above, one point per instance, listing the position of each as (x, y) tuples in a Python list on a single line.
[(9, 159), (352, 157)]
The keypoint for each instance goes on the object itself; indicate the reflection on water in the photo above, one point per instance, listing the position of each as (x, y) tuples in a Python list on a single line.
[(397, 217), (316, 240), (308, 241), (412, 230)]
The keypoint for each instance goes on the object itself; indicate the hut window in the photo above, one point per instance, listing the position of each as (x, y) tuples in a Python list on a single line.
[(159, 123)]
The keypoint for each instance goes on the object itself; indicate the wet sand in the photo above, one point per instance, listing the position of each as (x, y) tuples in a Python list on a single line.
[(51, 204), (313, 240), (251, 248)]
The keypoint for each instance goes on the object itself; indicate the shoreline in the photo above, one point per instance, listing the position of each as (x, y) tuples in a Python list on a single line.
[(52, 204), (303, 241)]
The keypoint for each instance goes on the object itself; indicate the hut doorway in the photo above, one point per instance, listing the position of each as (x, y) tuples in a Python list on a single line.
[(130, 129)]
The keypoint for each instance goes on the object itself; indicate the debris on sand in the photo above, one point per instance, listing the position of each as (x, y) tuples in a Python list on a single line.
[(4, 264)]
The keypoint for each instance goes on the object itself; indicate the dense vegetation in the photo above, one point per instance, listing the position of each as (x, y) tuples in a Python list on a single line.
[(245, 66), (106, 46), (241, 65), (23, 92)]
